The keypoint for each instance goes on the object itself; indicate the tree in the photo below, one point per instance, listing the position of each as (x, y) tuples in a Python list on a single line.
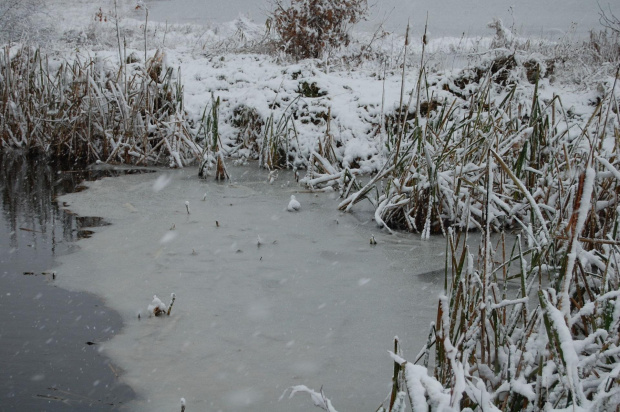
[(308, 27), (609, 20), (16, 18)]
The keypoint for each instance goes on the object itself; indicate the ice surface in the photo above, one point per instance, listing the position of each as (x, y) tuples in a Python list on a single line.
[(161, 182), (251, 321)]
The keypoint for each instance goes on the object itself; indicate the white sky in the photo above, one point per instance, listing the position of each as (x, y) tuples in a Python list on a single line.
[(446, 17)]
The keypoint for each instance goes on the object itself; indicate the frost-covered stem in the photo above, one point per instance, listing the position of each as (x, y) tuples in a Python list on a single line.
[(525, 192), (584, 209), (402, 118), (487, 269), (558, 331), (523, 263), (318, 398), (146, 22), (395, 378), (173, 298), (455, 367), (118, 34), (383, 132), (612, 95), (419, 85)]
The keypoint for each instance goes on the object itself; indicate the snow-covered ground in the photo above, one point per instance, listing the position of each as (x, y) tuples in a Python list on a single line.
[(313, 304)]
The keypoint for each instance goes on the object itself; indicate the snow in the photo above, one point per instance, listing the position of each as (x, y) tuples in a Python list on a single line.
[(568, 353), (293, 205), (161, 183), (260, 313), (157, 307), (318, 398)]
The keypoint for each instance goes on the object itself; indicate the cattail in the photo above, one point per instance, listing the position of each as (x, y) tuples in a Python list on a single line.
[(173, 298)]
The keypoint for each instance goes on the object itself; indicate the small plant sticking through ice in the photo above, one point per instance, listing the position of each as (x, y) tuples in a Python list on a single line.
[(293, 205), (182, 404), (172, 299), (273, 175), (373, 241), (159, 308), (187, 206), (204, 197)]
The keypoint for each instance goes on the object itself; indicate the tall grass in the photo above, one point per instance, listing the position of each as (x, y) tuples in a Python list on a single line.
[(529, 321), (83, 110), (209, 135)]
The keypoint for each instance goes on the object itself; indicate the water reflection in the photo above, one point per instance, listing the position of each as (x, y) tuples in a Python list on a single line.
[(46, 333), (29, 185)]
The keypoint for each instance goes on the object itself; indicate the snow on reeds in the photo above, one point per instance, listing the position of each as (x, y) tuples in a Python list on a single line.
[(526, 327), (532, 326), (84, 109)]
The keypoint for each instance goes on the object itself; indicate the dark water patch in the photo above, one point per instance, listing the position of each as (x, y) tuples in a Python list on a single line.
[(50, 339), (90, 221)]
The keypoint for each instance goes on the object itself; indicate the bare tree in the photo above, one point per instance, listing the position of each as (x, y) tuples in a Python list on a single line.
[(18, 18), (608, 19)]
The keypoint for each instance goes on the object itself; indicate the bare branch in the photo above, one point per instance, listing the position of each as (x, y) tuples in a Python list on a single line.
[(608, 19)]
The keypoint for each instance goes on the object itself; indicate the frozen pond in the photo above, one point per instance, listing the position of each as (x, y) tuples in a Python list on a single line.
[(550, 18), (314, 304)]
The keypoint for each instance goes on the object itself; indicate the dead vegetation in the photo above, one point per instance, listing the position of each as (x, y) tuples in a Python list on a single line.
[(308, 27)]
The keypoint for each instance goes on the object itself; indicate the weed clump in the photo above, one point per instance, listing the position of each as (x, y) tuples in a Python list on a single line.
[(307, 89), (83, 110), (159, 308), (308, 27), (249, 124)]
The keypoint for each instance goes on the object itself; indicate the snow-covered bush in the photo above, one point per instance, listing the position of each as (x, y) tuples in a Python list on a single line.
[(308, 27), (18, 17)]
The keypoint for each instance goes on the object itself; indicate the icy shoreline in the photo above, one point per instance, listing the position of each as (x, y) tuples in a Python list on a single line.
[(314, 304)]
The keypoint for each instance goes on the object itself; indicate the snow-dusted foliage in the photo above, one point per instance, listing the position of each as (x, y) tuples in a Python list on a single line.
[(308, 27), (533, 322), (530, 324), (19, 18), (157, 307), (89, 110), (518, 138)]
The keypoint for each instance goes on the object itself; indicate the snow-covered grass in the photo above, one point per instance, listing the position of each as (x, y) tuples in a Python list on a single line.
[(84, 110), (501, 134)]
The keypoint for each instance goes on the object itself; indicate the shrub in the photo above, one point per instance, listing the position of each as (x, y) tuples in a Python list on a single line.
[(308, 27), (19, 18)]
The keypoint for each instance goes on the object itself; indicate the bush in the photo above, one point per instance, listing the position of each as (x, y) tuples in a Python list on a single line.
[(308, 27), (19, 18)]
